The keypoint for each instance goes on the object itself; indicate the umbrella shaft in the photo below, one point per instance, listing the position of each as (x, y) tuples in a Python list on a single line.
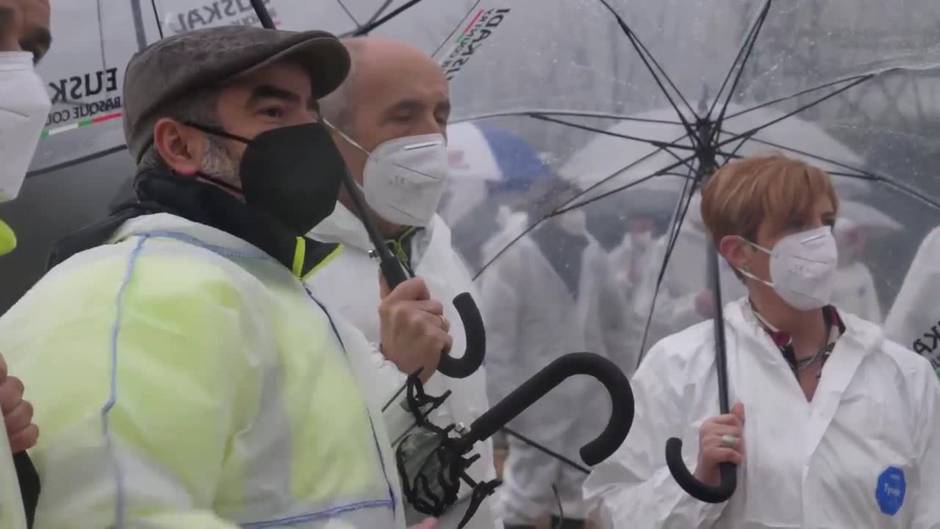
[(262, 12), (721, 359)]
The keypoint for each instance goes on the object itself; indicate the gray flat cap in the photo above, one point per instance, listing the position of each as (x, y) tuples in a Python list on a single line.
[(170, 68)]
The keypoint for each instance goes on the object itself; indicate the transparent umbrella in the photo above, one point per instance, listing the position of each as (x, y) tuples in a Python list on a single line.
[(94, 41), (621, 95)]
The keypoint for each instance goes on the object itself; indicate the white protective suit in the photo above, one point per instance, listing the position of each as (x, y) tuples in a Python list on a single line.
[(914, 319), (631, 263), (686, 278), (24, 106), (864, 453), (533, 318), (854, 290), (349, 284)]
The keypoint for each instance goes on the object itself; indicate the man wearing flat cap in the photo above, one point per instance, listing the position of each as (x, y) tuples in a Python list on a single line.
[(183, 376)]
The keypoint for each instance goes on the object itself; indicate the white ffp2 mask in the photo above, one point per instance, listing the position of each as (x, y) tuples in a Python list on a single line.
[(404, 178), (24, 106), (802, 268)]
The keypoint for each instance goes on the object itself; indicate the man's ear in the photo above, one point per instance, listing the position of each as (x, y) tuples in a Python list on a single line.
[(735, 251), (181, 147)]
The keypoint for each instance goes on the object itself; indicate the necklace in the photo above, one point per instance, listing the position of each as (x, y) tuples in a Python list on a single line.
[(784, 341)]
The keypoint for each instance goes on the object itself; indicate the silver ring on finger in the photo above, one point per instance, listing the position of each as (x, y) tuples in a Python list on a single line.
[(729, 441)]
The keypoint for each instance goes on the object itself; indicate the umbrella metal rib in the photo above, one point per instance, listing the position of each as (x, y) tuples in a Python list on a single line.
[(349, 14), (455, 29), (748, 134), (530, 112), (529, 229), (156, 18), (649, 62), (370, 26), (746, 48), (851, 172), (655, 143), (749, 47), (379, 11), (799, 94), (682, 209)]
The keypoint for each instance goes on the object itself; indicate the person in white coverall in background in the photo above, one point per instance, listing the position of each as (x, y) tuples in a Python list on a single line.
[(854, 290), (684, 297), (495, 177), (631, 256), (390, 117), (832, 425), (632, 261), (551, 293), (914, 319), (24, 105)]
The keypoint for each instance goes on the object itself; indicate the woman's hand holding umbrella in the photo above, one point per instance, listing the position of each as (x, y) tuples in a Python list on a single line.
[(721, 440)]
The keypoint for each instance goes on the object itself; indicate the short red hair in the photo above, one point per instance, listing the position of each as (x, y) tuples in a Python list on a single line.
[(775, 189)]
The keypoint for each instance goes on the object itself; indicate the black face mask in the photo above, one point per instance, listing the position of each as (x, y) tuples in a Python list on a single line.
[(292, 173)]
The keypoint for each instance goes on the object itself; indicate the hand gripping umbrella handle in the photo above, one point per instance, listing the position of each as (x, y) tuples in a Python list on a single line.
[(674, 461), (562, 368), (475, 334), (688, 482), (394, 275)]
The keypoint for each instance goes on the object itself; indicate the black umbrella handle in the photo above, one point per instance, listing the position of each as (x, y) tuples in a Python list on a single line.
[(394, 274), (475, 335), (562, 368), (674, 461), (689, 483), (30, 487)]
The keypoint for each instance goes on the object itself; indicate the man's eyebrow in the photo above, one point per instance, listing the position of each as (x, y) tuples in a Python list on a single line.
[(265, 91), (405, 105), (269, 91), (272, 92)]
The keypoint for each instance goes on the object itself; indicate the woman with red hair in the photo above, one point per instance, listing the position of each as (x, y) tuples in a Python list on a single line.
[(833, 426)]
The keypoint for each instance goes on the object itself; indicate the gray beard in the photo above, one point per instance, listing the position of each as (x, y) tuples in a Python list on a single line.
[(219, 163)]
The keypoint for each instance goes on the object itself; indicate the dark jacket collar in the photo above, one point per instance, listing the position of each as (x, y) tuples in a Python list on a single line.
[(156, 191)]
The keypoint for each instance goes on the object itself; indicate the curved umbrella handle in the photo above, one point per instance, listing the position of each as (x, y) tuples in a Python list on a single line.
[(562, 368), (729, 477), (695, 488), (470, 317), (473, 329)]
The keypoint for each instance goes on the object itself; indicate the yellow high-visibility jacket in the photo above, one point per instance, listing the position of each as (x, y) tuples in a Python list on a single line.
[(184, 379)]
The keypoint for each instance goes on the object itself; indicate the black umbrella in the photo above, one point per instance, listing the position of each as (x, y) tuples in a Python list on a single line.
[(433, 466)]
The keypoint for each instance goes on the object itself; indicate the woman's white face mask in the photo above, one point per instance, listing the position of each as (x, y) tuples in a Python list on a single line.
[(404, 178), (24, 106), (802, 268)]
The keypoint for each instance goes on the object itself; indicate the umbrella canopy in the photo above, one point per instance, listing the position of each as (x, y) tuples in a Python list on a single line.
[(632, 97), (95, 40), (621, 108), (857, 215), (739, 77)]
